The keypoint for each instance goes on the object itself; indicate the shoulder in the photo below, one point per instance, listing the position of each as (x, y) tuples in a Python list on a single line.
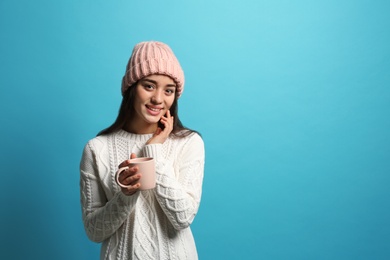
[(186, 136), (97, 143), (195, 138), (189, 144)]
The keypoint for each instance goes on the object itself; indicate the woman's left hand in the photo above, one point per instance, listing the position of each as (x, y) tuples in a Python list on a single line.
[(161, 135)]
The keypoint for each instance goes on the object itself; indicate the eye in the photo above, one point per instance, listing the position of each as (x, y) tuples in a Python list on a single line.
[(148, 86), (170, 91)]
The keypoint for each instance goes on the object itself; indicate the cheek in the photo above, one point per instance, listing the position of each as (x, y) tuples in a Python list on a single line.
[(170, 103)]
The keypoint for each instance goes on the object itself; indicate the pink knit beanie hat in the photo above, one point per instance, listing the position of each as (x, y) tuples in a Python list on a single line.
[(153, 58)]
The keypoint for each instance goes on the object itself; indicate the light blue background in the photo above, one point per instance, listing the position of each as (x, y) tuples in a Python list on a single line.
[(292, 99)]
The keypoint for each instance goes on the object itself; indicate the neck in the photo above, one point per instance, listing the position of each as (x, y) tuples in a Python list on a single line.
[(140, 128)]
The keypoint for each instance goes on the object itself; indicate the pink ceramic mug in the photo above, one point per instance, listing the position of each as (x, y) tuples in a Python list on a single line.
[(147, 170)]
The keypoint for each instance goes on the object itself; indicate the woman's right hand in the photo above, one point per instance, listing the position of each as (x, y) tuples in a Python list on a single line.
[(129, 177), (161, 135)]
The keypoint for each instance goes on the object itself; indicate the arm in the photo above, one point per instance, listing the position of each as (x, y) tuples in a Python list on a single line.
[(179, 193), (101, 217)]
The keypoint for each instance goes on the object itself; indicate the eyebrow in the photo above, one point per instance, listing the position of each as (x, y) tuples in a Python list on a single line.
[(155, 82)]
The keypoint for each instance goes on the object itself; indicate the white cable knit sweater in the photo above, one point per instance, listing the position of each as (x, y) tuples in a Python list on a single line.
[(152, 224)]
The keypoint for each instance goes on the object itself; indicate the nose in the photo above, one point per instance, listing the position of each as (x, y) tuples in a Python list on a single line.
[(157, 97)]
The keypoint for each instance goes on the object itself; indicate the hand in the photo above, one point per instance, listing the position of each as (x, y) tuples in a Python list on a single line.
[(130, 177), (160, 135)]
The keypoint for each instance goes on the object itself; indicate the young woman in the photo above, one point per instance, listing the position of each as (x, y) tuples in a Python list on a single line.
[(147, 224)]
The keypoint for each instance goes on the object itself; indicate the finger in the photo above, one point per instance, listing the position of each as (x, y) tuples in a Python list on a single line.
[(131, 180), (133, 155), (124, 163), (164, 121), (127, 173), (133, 169), (169, 117), (168, 123), (131, 189), (123, 175)]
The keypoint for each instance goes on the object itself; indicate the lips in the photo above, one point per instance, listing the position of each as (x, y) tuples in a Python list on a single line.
[(153, 110)]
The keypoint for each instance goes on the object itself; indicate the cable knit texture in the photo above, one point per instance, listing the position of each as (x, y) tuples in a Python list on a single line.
[(151, 224)]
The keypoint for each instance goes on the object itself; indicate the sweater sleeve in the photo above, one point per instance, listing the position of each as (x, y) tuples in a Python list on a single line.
[(101, 217), (179, 193)]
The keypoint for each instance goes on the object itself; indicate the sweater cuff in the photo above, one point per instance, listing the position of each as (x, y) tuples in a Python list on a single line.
[(153, 151)]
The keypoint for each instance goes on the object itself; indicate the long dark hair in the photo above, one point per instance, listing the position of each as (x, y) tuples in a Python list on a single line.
[(126, 113)]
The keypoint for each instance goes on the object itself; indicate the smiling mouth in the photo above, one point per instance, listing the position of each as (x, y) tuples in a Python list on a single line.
[(154, 108)]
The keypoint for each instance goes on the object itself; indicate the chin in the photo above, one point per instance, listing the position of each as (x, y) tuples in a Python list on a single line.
[(152, 120)]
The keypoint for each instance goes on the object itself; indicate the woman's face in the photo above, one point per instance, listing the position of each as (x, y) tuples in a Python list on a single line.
[(154, 95)]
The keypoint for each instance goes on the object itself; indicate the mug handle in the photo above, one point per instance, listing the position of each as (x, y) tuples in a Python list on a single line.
[(120, 170)]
